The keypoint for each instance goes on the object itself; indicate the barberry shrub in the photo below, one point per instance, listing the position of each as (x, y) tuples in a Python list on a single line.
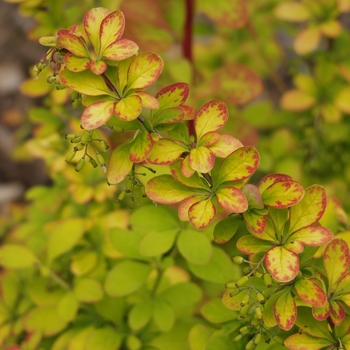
[(84, 272)]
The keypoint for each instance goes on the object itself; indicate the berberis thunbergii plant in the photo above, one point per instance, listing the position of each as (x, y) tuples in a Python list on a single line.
[(98, 277)]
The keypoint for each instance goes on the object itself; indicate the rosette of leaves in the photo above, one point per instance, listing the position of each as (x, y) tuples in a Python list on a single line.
[(199, 195), (290, 225), (323, 93), (104, 30), (321, 17)]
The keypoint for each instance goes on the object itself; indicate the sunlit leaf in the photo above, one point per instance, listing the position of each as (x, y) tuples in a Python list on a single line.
[(184, 207), (268, 315), (173, 95), (14, 256), (165, 152), (214, 311), (297, 100), (98, 67), (285, 311), (239, 165), (120, 50), (119, 164), (140, 314), (232, 199), (88, 290), (165, 189), (144, 70), (202, 214), (128, 108), (141, 147), (75, 63), (251, 245), (183, 293), (212, 116), (105, 337), (156, 243), (282, 264), (255, 222), (343, 286), (313, 235), (97, 114), (310, 292), (292, 11), (201, 159), (301, 341), (283, 194), (72, 44), (336, 259), (225, 145), (169, 116), (307, 40), (270, 179), (310, 209), (163, 315), (148, 101), (342, 100)]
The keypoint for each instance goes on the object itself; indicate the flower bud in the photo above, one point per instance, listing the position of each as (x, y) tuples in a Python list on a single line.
[(70, 156), (60, 87), (93, 162), (242, 281), (78, 147), (247, 269), (100, 159), (80, 164), (260, 298), (104, 146), (237, 338), (148, 126), (238, 259), (257, 339), (243, 330), (235, 292), (76, 139), (250, 345), (245, 300), (267, 280), (85, 138), (70, 136), (258, 313), (244, 311), (121, 197)]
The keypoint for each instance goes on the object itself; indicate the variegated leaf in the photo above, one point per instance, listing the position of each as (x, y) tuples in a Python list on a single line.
[(282, 264), (169, 116), (283, 194), (92, 22), (144, 70), (285, 311), (148, 101), (239, 165), (310, 209), (165, 152), (255, 222), (210, 117), (312, 236), (233, 303), (165, 189), (85, 82), (251, 245), (98, 67), (270, 179), (268, 315), (173, 95), (232, 199), (208, 139), (310, 292), (225, 145), (111, 30), (201, 159), (128, 108), (141, 147), (202, 214), (343, 286), (303, 341), (185, 205), (194, 181), (97, 114), (120, 50), (73, 44), (119, 164), (337, 313), (75, 63), (336, 260), (321, 313), (185, 167)]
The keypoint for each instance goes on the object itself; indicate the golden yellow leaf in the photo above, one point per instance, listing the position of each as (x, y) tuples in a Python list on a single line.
[(342, 100), (330, 113), (332, 28), (307, 40), (297, 100), (292, 11)]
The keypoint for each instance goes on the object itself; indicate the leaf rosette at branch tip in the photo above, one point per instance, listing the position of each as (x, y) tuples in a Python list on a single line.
[(199, 195)]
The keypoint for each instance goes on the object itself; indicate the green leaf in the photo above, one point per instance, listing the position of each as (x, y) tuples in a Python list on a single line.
[(283, 194), (239, 165), (173, 95), (13, 256), (185, 293), (156, 243), (126, 277), (97, 114), (85, 82), (126, 242), (44, 319), (251, 245), (63, 236), (92, 22), (163, 315), (310, 209), (214, 311), (225, 229), (106, 338), (201, 159), (343, 286), (140, 314), (285, 311), (198, 336), (219, 269), (232, 199), (128, 108), (301, 341), (219, 341), (310, 292), (111, 29), (83, 262), (144, 70), (73, 44), (212, 116), (165, 189), (179, 133), (88, 290), (68, 306), (202, 214), (119, 164), (282, 264), (165, 152), (195, 247), (336, 259), (141, 147)]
